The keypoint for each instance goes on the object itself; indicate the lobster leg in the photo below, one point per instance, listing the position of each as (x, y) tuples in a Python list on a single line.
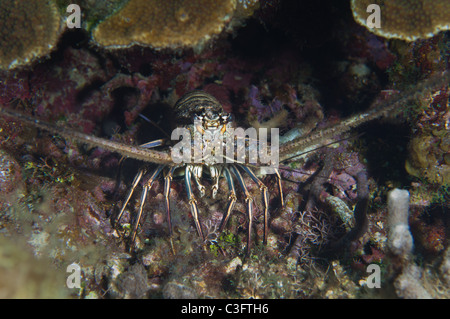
[(136, 181), (192, 200), (167, 182), (265, 196), (148, 185), (215, 173), (231, 199), (249, 202), (197, 172), (280, 188)]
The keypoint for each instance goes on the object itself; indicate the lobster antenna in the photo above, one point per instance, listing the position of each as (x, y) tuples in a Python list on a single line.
[(136, 152), (387, 108)]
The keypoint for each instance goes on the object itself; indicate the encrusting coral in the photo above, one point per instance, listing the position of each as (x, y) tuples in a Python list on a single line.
[(406, 20), (28, 30), (428, 160), (429, 149), (171, 24)]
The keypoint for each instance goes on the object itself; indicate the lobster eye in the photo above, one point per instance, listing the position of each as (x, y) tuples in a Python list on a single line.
[(210, 115)]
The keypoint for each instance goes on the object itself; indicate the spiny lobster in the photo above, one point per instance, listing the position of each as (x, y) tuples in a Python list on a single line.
[(197, 112)]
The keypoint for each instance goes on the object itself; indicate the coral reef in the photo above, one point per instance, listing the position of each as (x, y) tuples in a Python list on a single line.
[(410, 280), (28, 30), (406, 20), (339, 219), (430, 147), (173, 24), (32, 29)]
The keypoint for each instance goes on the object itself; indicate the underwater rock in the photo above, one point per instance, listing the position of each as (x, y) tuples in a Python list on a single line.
[(133, 283), (22, 275), (408, 284), (176, 290)]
